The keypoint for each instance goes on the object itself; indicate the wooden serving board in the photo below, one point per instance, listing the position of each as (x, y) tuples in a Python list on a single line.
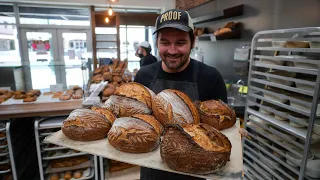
[(233, 169)]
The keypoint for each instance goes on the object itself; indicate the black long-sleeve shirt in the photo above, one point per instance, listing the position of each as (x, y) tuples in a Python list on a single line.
[(148, 59)]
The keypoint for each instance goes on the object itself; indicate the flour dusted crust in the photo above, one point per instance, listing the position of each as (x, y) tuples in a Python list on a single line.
[(106, 112), (85, 125), (124, 107), (134, 134), (136, 91), (174, 107), (195, 148), (216, 114)]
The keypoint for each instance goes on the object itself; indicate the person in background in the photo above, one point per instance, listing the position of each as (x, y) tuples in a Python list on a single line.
[(144, 53)]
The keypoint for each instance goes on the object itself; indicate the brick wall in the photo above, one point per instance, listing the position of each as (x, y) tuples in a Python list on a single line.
[(187, 4)]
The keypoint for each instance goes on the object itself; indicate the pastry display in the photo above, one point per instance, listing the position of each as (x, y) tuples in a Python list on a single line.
[(77, 174), (65, 97), (68, 162), (136, 134), (57, 94), (119, 166), (208, 149), (124, 107), (174, 107), (105, 112), (67, 175), (30, 99), (20, 95), (34, 92), (109, 90), (54, 176), (216, 114), (85, 125)]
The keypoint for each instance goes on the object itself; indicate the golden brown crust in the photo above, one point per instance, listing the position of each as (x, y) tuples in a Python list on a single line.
[(54, 176), (174, 107), (77, 96), (97, 71), (107, 76), (117, 79), (67, 175), (65, 97), (120, 166), (20, 95), (85, 125), (124, 107), (30, 99), (105, 112), (182, 148), (68, 162), (133, 135), (216, 114), (77, 174), (3, 91), (152, 121), (136, 91)]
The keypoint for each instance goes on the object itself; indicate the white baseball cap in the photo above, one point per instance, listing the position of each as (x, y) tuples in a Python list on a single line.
[(145, 44)]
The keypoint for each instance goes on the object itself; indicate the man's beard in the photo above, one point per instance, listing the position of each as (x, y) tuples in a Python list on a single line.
[(182, 60)]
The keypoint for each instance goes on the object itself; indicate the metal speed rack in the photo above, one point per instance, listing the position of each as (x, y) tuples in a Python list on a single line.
[(132, 173), (284, 80), (48, 153), (7, 163)]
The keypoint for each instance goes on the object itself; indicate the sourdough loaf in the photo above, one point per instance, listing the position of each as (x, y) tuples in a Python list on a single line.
[(124, 107), (194, 148), (216, 114), (85, 125), (137, 134), (174, 107), (136, 91), (105, 112)]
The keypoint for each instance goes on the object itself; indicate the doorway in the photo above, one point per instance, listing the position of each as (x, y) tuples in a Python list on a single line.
[(55, 56)]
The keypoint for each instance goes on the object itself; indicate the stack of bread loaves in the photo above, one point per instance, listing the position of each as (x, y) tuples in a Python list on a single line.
[(191, 141)]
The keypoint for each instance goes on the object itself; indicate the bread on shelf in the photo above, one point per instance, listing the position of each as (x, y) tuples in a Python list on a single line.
[(216, 114), (85, 125), (105, 112), (174, 107), (136, 134), (195, 148)]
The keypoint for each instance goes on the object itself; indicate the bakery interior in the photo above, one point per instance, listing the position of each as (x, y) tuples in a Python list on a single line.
[(54, 58)]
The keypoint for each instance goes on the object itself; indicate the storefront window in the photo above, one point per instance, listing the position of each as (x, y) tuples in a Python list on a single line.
[(9, 45), (54, 16)]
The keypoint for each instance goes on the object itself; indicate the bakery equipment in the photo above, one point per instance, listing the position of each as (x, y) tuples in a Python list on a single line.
[(7, 163), (115, 170), (290, 132), (56, 160)]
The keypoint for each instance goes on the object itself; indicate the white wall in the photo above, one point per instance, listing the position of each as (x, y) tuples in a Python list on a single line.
[(148, 4)]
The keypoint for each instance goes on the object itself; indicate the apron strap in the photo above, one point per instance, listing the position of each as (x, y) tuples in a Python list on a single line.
[(156, 73), (195, 72)]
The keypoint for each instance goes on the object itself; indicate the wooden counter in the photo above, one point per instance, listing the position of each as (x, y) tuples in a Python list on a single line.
[(38, 109)]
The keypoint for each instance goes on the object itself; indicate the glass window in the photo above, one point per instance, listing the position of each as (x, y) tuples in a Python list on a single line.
[(7, 14), (9, 46), (54, 16)]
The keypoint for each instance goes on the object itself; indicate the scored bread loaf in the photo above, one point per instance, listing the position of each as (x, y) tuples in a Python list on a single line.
[(137, 134), (136, 91), (85, 125), (194, 148), (216, 114), (174, 107), (124, 107), (106, 112)]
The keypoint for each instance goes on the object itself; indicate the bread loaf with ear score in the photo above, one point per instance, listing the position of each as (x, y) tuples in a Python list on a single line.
[(194, 148), (216, 114), (129, 99), (86, 125), (137, 134), (174, 107)]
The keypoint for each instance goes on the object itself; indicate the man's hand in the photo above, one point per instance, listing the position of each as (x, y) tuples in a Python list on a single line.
[(243, 132)]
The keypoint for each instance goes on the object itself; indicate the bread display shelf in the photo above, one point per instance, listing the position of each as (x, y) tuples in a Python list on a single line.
[(2, 129), (290, 69), (4, 154), (54, 148), (64, 156), (232, 170), (45, 134), (80, 166), (306, 50), (131, 173), (3, 146), (288, 39), (84, 176), (286, 58), (2, 138), (5, 171), (5, 161)]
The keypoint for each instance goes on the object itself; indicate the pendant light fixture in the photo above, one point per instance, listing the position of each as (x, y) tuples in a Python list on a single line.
[(110, 11), (107, 20), (113, 1)]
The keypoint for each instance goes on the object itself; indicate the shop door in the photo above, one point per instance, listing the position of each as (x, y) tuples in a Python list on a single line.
[(48, 57)]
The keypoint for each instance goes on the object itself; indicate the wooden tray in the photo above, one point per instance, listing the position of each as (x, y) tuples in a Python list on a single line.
[(233, 169)]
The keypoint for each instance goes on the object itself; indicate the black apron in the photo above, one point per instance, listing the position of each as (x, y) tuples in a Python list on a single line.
[(191, 89)]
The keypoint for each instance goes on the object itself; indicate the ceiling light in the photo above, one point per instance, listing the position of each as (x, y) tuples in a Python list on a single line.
[(110, 11), (107, 20), (113, 1)]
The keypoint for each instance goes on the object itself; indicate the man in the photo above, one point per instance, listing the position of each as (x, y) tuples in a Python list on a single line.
[(175, 39), (144, 52)]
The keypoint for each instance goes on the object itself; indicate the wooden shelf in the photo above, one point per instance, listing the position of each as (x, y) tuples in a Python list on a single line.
[(224, 14)]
